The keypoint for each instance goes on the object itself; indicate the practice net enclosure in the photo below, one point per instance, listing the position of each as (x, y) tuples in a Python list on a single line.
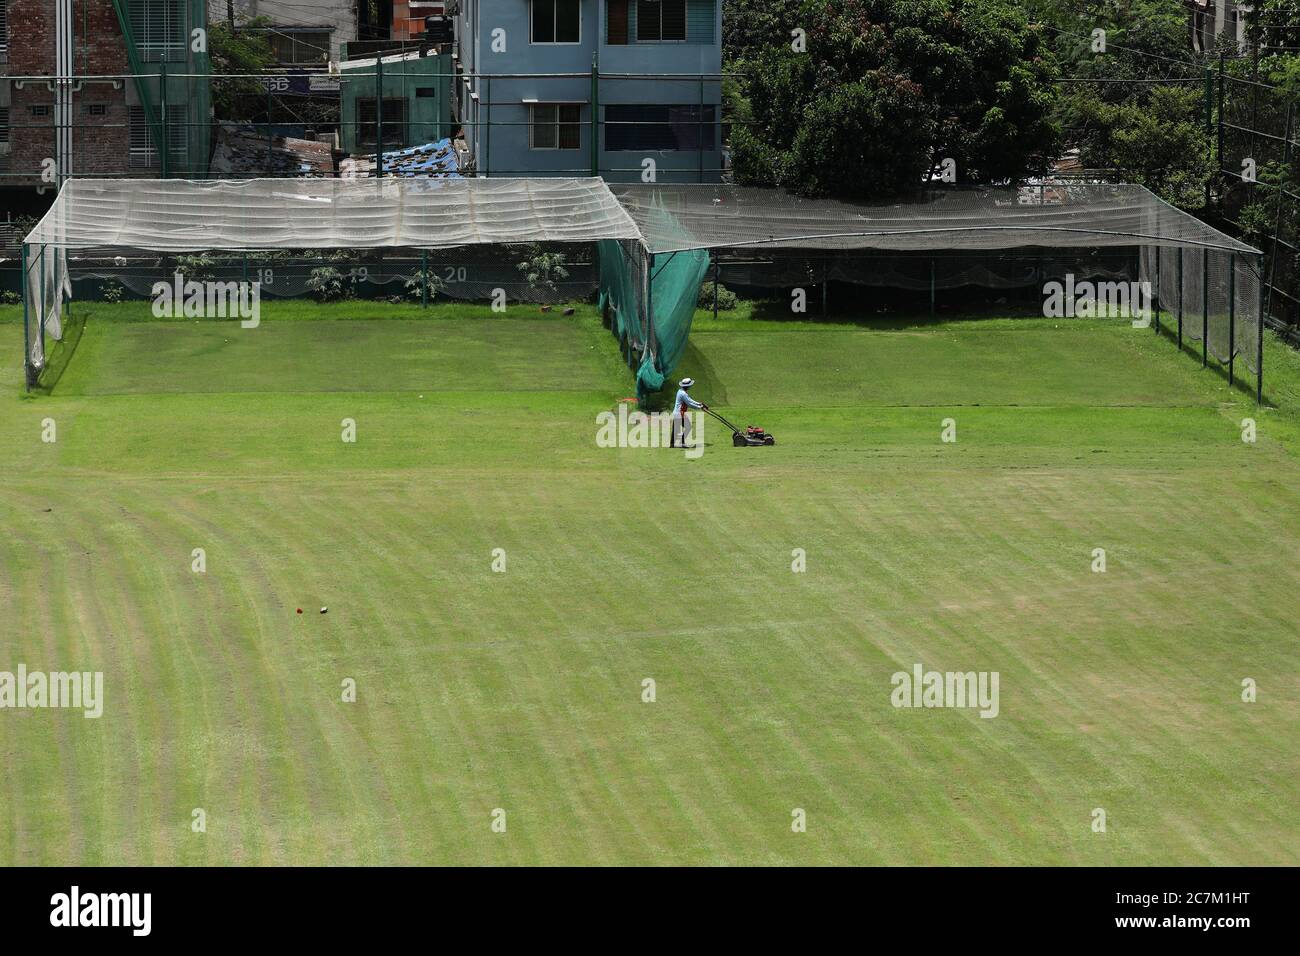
[(655, 243)]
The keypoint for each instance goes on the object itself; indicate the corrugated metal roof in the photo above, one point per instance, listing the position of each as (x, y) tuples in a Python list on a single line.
[(242, 151)]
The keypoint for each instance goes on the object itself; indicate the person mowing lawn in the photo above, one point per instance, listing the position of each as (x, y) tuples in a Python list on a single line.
[(682, 421)]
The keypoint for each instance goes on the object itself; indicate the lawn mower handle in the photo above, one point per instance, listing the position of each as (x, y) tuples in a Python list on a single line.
[(733, 428)]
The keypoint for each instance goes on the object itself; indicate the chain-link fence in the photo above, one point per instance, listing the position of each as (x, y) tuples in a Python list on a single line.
[(1249, 138)]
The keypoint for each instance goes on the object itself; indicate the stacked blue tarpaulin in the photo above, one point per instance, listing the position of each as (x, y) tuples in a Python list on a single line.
[(431, 159)]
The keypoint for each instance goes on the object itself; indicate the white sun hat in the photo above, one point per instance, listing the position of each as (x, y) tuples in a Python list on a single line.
[(687, 382)]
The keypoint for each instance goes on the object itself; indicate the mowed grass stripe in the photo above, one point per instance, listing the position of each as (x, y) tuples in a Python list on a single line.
[(338, 728), (201, 613), (156, 562), (607, 716), (716, 669), (49, 812), (790, 628), (639, 759), (874, 690)]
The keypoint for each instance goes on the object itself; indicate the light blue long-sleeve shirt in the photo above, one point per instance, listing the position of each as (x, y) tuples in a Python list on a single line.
[(684, 399)]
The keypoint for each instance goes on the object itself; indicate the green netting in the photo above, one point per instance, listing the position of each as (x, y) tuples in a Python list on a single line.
[(670, 294), (622, 293), (675, 288)]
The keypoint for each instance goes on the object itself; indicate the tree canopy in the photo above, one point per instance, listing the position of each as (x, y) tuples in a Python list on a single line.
[(884, 91)]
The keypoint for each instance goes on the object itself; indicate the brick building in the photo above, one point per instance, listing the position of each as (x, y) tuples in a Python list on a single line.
[(92, 87)]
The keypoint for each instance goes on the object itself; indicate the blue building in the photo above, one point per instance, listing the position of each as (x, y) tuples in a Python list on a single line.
[(582, 87)]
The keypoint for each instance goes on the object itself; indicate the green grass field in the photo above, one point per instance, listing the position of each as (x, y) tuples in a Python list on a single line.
[(522, 690)]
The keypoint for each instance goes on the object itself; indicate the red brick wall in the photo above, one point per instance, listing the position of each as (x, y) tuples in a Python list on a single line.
[(98, 47), (99, 144)]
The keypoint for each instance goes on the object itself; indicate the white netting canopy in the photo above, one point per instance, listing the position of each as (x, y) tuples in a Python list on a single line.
[(1057, 216), (171, 215), (191, 216)]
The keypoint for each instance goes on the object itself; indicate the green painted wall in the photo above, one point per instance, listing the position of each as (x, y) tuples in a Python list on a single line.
[(414, 81)]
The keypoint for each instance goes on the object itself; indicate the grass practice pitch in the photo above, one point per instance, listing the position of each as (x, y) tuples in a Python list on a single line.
[(523, 690)]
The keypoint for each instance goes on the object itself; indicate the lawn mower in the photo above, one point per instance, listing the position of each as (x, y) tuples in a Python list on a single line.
[(752, 435)]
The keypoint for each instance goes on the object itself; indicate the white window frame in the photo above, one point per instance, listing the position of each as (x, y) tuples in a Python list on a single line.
[(533, 124), (532, 7), (4, 30), (137, 129), (152, 49)]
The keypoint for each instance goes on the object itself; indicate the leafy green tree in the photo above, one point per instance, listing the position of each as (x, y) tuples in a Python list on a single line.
[(1159, 142), (751, 26), (889, 89), (1275, 23), (239, 54), (1143, 120), (1156, 29), (1275, 26)]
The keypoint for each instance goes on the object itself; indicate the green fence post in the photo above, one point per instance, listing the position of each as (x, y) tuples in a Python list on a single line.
[(1209, 120), (1232, 316), (1222, 72), (699, 136), (164, 148), (595, 112), (379, 115), (27, 335), (649, 303), (40, 317), (715, 283), (1281, 193), (1180, 298), (1155, 296), (1259, 344), (270, 139), (1205, 307), (424, 278)]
